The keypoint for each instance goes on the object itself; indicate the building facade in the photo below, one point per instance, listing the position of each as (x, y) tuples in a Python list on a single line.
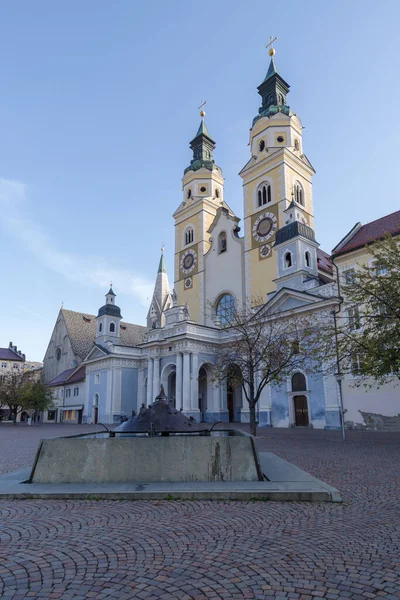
[(275, 264), (373, 406)]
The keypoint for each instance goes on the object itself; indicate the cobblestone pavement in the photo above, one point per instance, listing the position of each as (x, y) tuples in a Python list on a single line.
[(195, 550)]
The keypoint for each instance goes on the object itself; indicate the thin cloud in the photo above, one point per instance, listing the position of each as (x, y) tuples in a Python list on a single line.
[(84, 270)]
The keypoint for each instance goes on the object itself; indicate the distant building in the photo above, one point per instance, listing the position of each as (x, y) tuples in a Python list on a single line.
[(13, 360)]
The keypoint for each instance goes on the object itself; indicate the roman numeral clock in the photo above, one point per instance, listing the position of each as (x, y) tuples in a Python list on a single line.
[(264, 228)]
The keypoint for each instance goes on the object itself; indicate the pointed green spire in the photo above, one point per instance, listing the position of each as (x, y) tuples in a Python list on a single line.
[(162, 267), (202, 145), (273, 91), (272, 70), (202, 130)]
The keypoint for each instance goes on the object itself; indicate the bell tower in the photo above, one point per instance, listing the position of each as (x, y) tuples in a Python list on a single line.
[(203, 194), (277, 173)]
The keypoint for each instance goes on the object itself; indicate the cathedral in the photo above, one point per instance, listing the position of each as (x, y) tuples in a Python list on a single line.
[(273, 257)]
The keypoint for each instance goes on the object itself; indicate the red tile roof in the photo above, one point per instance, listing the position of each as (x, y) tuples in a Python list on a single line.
[(7, 354), (324, 261), (369, 233)]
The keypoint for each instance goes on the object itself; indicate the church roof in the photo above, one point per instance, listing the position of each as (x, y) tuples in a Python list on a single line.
[(69, 376), (293, 230), (362, 235), (81, 329)]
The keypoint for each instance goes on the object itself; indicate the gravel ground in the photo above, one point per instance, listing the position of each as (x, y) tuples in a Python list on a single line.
[(197, 550)]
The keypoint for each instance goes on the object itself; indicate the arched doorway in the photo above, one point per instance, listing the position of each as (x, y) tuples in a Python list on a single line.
[(168, 380), (171, 390), (234, 393), (96, 408), (203, 393), (299, 384)]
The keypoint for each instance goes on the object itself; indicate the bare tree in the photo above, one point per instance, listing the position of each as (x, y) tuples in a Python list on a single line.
[(257, 349)]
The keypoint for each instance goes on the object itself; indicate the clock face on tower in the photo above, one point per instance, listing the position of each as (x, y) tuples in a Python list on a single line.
[(264, 227), (188, 261)]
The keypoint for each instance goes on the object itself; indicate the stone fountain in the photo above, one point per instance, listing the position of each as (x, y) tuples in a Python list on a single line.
[(160, 444)]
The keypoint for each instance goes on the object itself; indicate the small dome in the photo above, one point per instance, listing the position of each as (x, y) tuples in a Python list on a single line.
[(110, 309)]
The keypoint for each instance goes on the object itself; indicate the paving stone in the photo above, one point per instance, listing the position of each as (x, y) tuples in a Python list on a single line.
[(81, 550)]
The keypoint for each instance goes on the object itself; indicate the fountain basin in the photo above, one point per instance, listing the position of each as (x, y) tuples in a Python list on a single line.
[(99, 458)]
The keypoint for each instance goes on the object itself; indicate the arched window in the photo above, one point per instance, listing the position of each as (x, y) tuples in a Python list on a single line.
[(189, 236), (225, 308), (307, 257), (288, 260), (261, 146), (222, 247), (189, 194), (100, 327), (96, 400), (298, 193), (112, 327), (217, 193), (264, 194), (299, 383)]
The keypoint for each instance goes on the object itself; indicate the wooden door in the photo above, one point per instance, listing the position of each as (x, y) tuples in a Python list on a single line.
[(301, 411), (231, 403)]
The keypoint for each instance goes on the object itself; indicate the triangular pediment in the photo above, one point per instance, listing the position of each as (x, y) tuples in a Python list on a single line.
[(96, 352), (286, 300)]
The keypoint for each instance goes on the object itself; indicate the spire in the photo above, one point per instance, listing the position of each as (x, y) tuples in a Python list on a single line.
[(110, 291), (161, 267), (272, 70), (273, 91), (161, 299), (202, 145)]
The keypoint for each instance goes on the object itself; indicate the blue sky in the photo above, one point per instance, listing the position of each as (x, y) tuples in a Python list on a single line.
[(98, 103)]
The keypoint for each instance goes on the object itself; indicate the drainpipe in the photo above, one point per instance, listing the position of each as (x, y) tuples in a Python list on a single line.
[(339, 375)]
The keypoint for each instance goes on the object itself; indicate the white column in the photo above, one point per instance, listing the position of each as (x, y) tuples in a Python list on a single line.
[(156, 377), (149, 381), (178, 384), (195, 382), (186, 382)]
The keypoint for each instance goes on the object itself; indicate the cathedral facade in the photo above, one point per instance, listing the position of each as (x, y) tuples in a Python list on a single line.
[(274, 260)]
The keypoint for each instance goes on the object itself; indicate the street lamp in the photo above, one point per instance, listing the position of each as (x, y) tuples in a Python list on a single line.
[(339, 378)]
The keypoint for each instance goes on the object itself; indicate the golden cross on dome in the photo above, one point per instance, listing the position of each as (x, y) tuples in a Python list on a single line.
[(271, 42), (201, 108)]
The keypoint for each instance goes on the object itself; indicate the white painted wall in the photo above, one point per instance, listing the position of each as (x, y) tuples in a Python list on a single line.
[(224, 272)]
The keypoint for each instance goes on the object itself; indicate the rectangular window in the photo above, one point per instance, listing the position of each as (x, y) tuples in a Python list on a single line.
[(356, 364), (4, 365), (97, 378), (348, 276), (68, 393), (69, 415), (380, 269), (353, 315), (296, 347), (76, 391), (2, 377)]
